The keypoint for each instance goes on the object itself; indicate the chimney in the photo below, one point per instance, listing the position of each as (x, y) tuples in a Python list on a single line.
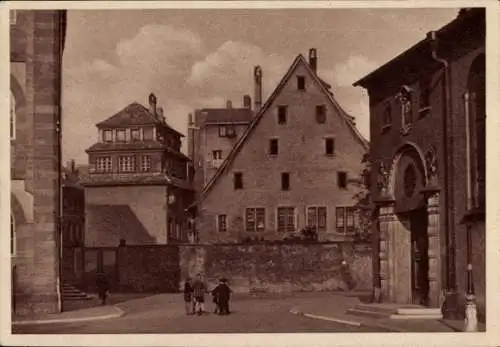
[(258, 87), (190, 119), (152, 104), (159, 113), (247, 101), (313, 59), (229, 104)]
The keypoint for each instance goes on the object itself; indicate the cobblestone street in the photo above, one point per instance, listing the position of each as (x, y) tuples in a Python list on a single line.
[(164, 314)]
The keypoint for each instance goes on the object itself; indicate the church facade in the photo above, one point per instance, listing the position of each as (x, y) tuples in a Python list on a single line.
[(427, 113)]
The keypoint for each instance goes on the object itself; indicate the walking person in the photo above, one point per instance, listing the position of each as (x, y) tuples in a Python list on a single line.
[(223, 294), (199, 291), (188, 296), (102, 285)]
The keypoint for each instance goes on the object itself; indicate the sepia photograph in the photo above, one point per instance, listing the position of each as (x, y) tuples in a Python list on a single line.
[(246, 170)]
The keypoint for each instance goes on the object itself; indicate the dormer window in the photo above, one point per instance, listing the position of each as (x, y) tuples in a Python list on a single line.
[(107, 135), (120, 135), (135, 134), (148, 134)]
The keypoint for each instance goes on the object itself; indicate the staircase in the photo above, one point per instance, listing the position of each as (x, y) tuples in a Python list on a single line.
[(71, 293), (395, 311)]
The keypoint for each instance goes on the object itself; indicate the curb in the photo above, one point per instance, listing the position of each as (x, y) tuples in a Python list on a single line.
[(348, 322), (119, 312)]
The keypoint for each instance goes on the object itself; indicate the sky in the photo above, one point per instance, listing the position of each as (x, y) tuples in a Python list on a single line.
[(200, 58)]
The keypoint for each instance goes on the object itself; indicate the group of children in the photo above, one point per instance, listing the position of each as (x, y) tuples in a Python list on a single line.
[(194, 296)]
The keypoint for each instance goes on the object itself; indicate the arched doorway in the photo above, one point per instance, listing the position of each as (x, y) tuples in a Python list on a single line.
[(411, 241)]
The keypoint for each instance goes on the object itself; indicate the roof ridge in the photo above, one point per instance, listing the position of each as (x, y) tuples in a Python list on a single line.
[(236, 148)]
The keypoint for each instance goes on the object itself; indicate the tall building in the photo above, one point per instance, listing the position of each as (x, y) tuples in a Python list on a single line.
[(36, 48), (427, 110), (138, 186), (212, 133), (295, 165)]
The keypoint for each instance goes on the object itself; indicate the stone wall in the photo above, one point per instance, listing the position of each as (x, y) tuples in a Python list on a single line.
[(249, 268)]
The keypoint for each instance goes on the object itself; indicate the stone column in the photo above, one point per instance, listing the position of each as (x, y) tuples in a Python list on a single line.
[(434, 253), (386, 220)]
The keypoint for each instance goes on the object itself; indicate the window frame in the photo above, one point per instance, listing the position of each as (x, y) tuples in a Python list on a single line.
[(222, 131), (111, 137), (282, 114), (347, 211), (321, 116), (147, 131), (254, 212), (121, 131), (273, 147), (132, 131), (316, 209), (285, 181), (339, 180), (294, 218), (301, 82), (132, 166), (107, 164), (221, 227), (217, 154), (328, 140), (146, 159), (238, 180)]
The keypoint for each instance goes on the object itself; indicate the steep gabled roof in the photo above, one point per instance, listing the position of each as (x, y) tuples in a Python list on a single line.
[(133, 114), (251, 127)]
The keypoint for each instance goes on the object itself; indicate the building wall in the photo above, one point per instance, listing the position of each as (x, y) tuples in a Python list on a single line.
[(428, 131), (36, 44), (313, 175), (148, 203)]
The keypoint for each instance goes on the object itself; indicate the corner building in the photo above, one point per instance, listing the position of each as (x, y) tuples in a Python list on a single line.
[(427, 113)]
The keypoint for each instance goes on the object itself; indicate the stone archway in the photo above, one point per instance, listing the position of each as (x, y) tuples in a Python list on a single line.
[(409, 231)]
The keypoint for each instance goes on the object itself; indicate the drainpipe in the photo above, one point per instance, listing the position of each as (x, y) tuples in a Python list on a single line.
[(59, 215), (450, 304)]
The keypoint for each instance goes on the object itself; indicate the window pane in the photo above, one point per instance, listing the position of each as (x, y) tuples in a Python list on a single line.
[(311, 216), (320, 114), (120, 135), (322, 218), (282, 111), (250, 219), (340, 217), (261, 218), (135, 134), (148, 134), (108, 136)]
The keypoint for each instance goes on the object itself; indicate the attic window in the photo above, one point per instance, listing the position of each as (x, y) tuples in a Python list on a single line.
[(282, 113), (135, 134), (120, 135), (301, 83), (107, 135), (320, 114), (148, 134)]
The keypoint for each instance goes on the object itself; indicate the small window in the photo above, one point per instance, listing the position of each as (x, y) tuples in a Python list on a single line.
[(238, 180), (301, 83), (255, 219), (135, 135), (342, 179), (146, 163), (217, 155), (103, 164), (320, 114), (387, 117), (222, 131), (126, 163), (108, 135), (273, 147), (120, 135), (148, 134), (222, 223), (285, 181), (282, 114), (329, 146)]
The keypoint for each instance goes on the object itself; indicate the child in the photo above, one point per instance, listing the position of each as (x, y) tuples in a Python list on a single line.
[(199, 290), (223, 294), (102, 285), (188, 296)]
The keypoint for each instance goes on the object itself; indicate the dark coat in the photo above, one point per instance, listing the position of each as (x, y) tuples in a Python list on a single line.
[(102, 283), (188, 292), (222, 292), (199, 289)]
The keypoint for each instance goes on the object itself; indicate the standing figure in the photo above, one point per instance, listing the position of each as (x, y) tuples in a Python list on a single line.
[(102, 285), (216, 298), (223, 294), (188, 297), (199, 291)]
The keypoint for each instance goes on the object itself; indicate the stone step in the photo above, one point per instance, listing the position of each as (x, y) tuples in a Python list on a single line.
[(395, 313), (75, 298), (368, 313), (424, 311)]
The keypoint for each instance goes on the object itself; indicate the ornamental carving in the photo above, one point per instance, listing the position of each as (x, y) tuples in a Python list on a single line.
[(432, 165), (405, 98), (382, 179)]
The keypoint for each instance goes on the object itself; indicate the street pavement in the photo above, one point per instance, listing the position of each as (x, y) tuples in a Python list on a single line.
[(164, 313)]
